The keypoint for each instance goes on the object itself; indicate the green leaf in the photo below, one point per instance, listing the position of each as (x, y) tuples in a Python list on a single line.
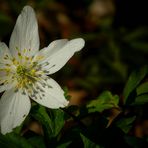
[(88, 143), (58, 120), (125, 124), (142, 99), (67, 96), (37, 142), (105, 101), (52, 122), (135, 78), (64, 145), (40, 114), (12, 140), (143, 88)]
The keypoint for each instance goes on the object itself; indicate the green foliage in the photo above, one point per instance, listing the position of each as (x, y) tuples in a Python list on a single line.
[(142, 99), (52, 121), (40, 114), (88, 143), (125, 124), (133, 81), (66, 93), (37, 142), (57, 118), (142, 89), (14, 141), (63, 145), (88, 126), (107, 59), (105, 101)]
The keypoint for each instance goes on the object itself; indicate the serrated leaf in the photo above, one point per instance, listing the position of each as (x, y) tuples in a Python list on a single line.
[(40, 114), (125, 124), (52, 122), (57, 118), (143, 88), (88, 143), (135, 78), (105, 101)]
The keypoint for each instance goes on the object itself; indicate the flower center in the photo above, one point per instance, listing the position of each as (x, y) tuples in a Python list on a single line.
[(21, 70), (29, 80), (26, 76)]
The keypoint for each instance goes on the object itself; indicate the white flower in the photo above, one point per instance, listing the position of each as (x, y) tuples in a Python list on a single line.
[(24, 70)]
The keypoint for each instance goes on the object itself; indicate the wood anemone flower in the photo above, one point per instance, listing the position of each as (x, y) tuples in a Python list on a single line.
[(24, 71)]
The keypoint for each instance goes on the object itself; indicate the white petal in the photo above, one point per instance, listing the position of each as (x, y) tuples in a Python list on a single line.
[(5, 87), (25, 33), (51, 49), (61, 55), (4, 51), (52, 97), (14, 107)]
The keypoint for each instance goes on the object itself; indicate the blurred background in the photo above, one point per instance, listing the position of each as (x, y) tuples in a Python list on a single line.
[(115, 32)]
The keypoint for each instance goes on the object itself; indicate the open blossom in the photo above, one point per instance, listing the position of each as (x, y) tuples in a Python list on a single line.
[(24, 71)]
